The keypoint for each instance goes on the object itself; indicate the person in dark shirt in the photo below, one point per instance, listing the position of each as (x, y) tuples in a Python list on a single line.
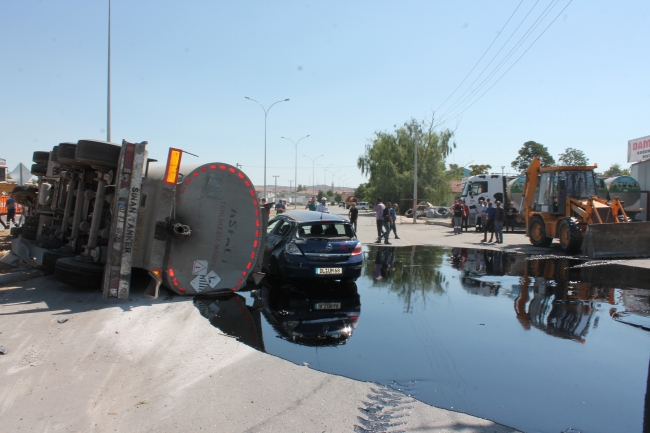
[(511, 217), (11, 211), (353, 214), (499, 218), (457, 209), (488, 226)]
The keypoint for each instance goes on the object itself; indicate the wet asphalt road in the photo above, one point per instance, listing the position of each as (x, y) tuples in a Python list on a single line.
[(539, 345)]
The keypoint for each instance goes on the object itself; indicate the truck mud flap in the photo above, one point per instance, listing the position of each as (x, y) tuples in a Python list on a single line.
[(617, 240)]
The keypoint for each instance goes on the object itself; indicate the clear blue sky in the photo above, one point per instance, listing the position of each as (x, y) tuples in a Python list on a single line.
[(181, 70)]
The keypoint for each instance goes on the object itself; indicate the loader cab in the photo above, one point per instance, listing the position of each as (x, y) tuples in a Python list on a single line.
[(556, 186)]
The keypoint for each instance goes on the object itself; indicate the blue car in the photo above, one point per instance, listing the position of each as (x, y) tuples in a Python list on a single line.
[(312, 245)]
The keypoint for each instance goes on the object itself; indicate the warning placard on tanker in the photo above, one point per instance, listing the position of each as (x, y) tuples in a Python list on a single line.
[(200, 267), (213, 279), (199, 283)]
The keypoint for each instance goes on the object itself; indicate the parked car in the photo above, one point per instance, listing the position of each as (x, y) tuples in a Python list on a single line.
[(362, 205), (304, 244)]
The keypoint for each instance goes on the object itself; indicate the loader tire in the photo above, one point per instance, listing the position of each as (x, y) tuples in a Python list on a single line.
[(39, 169), (40, 156), (537, 232), (78, 273), (98, 153), (570, 235)]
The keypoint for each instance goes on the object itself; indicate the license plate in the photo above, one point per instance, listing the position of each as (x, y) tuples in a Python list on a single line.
[(329, 271), (328, 306)]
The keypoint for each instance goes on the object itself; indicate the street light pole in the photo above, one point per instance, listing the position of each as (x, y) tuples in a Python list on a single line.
[(266, 112), (275, 199), (415, 172), (108, 90), (325, 172), (313, 169), (295, 179)]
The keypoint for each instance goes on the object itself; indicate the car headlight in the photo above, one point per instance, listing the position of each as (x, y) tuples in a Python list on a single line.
[(292, 248)]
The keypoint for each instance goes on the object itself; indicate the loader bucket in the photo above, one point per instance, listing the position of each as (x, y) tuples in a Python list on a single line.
[(617, 240)]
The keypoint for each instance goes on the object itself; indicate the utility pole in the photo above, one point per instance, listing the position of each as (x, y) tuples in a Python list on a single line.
[(290, 183), (276, 187), (416, 138)]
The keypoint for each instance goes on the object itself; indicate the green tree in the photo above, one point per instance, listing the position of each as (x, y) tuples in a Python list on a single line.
[(361, 193), (455, 172), (337, 197), (388, 163), (320, 195), (615, 170), (530, 150), (329, 193), (480, 169), (573, 157)]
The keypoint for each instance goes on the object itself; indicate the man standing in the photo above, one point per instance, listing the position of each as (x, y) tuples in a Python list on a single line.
[(379, 216), (388, 221), (353, 214), (312, 205), (279, 207), (465, 222), (393, 214), (457, 209), (511, 216), (322, 206), (499, 217), (11, 211), (488, 225), (481, 210)]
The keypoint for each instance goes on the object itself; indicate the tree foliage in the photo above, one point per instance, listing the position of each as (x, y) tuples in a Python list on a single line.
[(615, 170), (480, 169), (530, 150), (573, 157), (388, 163), (455, 172)]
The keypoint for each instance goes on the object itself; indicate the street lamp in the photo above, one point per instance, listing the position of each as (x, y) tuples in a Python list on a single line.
[(295, 180), (325, 172), (313, 162), (266, 112)]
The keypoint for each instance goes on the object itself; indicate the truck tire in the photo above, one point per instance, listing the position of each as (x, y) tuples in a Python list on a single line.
[(29, 233), (537, 232), (25, 195), (50, 258), (53, 154), (409, 213), (65, 153), (16, 231), (570, 235), (99, 153), (39, 169), (77, 273), (40, 156)]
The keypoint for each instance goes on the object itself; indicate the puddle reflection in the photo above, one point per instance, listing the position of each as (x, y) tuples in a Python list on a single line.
[(489, 333)]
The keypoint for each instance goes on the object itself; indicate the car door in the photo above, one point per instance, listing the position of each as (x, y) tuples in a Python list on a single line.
[(278, 229)]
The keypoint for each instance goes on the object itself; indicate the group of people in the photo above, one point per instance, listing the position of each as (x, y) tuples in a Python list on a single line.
[(490, 218), (318, 207), (386, 216)]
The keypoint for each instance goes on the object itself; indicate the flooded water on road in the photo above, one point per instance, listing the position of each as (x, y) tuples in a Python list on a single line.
[(542, 345)]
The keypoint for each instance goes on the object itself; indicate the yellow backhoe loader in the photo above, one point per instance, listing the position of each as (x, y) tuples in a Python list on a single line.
[(562, 203)]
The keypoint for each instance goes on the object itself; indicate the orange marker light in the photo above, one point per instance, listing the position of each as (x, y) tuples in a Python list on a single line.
[(173, 164)]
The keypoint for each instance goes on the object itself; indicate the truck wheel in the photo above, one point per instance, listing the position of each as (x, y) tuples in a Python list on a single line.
[(65, 153), (50, 258), (25, 195), (39, 169), (98, 153), (78, 273), (409, 213), (537, 232), (53, 154), (40, 156), (16, 231), (29, 233), (570, 235)]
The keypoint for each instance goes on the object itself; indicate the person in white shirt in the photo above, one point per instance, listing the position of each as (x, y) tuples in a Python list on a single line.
[(322, 206)]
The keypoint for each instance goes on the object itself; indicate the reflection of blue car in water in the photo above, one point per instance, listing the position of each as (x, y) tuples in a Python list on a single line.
[(306, 244), (325, 315)]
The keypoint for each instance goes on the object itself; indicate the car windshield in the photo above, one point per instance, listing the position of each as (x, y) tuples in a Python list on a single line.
[(327, 230)]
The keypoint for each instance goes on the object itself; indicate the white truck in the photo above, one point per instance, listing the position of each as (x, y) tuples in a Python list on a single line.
[(100, 211), (495, 187)]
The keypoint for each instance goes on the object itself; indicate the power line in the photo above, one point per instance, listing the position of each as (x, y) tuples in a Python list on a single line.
[(483, 83), (479, 60), (511, 66), (493, 59)]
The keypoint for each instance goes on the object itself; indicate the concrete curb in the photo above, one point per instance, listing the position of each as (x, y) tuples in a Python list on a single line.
[(22, 276)]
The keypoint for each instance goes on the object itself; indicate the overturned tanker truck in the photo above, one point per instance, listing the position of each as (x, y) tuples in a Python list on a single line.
[(99, 211), (562, 203)]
